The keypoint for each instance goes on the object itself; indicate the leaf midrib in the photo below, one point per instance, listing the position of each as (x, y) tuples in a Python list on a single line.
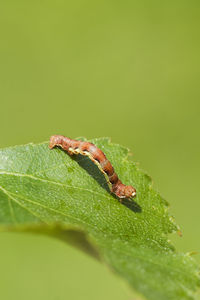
[(52, 182)]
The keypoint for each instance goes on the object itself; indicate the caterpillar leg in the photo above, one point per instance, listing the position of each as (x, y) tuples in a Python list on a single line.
[(70, 151)]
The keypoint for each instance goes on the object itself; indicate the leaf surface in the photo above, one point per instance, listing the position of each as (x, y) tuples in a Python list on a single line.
[(67, 197)]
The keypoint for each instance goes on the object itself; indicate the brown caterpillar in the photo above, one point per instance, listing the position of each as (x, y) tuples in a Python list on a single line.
[(98, 157)]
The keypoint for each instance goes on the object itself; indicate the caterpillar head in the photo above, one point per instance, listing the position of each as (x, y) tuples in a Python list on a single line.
[(129, 192)]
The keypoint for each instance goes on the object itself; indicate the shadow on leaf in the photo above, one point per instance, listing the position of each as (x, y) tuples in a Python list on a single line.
[(94, 171)]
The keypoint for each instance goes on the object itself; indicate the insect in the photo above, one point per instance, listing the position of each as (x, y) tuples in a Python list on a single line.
[(98, 157)]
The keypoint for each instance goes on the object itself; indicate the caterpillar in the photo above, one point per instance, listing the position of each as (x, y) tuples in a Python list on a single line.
[(98, 157)]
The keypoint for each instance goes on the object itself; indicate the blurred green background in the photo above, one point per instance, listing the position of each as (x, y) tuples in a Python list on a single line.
[(124, 69)]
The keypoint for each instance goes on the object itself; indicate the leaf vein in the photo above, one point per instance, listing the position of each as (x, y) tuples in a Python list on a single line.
[(54, 182), (24, 207)]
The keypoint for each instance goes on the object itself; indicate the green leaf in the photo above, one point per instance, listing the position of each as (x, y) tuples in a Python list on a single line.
[(48, 191)]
